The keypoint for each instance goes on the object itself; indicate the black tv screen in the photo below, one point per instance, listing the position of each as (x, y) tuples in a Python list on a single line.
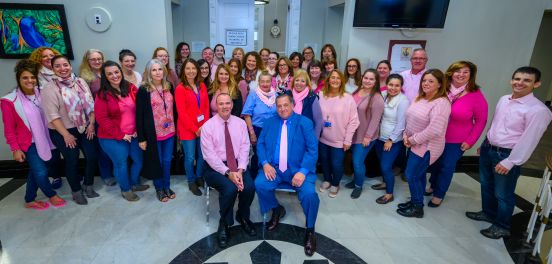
[(401, 13)]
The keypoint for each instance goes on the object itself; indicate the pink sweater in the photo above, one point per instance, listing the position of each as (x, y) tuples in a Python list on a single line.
[(468, 117), (426, 124), (341, 112)]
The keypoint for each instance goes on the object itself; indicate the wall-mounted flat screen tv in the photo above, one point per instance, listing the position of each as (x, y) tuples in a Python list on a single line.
[(401, 13)]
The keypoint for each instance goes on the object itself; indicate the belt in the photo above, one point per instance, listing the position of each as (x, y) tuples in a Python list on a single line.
[(496, 148)]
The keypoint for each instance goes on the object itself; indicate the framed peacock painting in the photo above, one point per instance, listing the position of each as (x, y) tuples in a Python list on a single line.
[(26, 27)]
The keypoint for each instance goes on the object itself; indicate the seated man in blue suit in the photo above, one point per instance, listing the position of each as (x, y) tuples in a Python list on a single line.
[(288, 152)]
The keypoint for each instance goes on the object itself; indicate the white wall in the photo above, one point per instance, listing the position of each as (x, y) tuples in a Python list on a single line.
[(312, 24), (497, 35), (191, 23), (139, 25), (276, 9)]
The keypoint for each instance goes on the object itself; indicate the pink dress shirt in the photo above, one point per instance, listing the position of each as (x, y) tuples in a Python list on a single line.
[(213, 144), (411, 84), (426, 124), (522, 120)]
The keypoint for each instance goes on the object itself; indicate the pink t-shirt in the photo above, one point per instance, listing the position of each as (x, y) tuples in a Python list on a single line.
[(341, 113), (127, 106), (162, 106)]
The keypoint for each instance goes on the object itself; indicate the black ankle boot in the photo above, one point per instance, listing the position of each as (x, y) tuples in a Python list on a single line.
[(413, 211)]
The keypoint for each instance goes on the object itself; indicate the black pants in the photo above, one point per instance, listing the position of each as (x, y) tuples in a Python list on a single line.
[(71, 157), (228, 193)]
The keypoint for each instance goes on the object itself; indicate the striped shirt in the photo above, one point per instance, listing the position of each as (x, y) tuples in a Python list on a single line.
[(426, 125)]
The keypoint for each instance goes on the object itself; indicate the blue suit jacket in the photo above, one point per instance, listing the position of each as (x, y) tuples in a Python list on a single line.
[(302, 144)]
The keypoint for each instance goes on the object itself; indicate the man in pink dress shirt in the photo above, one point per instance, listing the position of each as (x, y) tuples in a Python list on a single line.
[(519, 122), (413, 76), (225, 147)]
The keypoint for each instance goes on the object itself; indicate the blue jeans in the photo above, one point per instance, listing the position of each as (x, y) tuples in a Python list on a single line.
[(104, 162), (191, 148), (119, 151), (165, 149), (359, 168), (38, 175), (331, 160), (497, 191), (387, 159), (416, 168), (71, 157), (443, 169)]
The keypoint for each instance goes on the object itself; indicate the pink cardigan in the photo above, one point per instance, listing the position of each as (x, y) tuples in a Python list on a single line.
[(468, 118), (426, 123), (16, 127)]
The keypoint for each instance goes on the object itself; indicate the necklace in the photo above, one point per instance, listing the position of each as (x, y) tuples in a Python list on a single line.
[(33, 100)]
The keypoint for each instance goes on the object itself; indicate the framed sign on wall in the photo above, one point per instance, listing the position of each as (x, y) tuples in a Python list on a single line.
[(400, 52)]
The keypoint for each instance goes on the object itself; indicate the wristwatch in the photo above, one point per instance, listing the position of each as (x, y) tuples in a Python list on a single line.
[(227, 173)]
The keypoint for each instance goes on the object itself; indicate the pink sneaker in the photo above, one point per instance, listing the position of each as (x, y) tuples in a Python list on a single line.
[(57, 201)]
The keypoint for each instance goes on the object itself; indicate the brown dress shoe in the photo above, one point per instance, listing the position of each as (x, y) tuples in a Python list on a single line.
[(277, 214), (310, 243)]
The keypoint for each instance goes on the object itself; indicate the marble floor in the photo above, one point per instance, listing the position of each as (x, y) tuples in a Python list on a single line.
[(111, 230)]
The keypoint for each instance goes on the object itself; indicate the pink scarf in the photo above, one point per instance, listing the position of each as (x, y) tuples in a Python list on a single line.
[(298, 98), (283, 85), (454, 93), (267, 98), (37, 123), (78, 101)]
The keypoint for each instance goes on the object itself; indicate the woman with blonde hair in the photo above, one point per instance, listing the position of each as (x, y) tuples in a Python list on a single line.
[(306, 101), (339, 112), (155, 127), (238, 54), (90, 72), (225, 83)]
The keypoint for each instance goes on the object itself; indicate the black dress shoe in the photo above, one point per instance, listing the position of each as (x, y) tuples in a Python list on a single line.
[(200, 182), (194, 189), (404, 205), (277, 214), (479, 216), (412, 211), (433, 205), (350, 185), (495, 232), (246, 225), (222, 235), (310, 243)]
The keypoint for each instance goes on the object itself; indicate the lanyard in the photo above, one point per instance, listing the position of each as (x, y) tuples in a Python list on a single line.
[(198, 96), (162, 95)]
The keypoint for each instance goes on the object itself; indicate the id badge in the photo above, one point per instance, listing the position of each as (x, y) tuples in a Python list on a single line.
[(327, 124), (167, 123), (200, 118)]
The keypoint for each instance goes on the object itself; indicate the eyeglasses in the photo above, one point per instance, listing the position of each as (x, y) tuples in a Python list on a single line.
[(203, 68), (163, 56), (95, 59), (418, 59), (308, 52)]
